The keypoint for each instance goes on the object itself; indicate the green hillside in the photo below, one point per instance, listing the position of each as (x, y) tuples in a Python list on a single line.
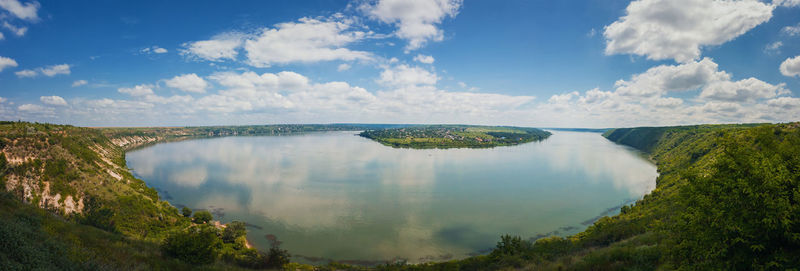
[(84, 210)]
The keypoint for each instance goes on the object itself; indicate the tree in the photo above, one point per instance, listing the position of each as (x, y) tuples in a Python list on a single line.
[(187, 212), (197, 245), (202, 217), (232, 231)]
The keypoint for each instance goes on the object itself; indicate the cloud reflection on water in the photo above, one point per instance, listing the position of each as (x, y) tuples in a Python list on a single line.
[(356, 199)]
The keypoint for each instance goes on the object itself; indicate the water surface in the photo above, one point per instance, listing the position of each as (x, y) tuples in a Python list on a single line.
[(334, 195)]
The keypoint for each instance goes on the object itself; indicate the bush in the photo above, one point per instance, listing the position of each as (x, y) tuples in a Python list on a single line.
[(202, 217), (186, 211), (234, 230), (278, 257), (197, 245)]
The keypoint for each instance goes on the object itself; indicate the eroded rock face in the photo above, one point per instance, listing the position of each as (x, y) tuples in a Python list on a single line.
[(128, 142)]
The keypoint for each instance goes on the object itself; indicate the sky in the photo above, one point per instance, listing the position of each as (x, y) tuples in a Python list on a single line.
[(590, 63)]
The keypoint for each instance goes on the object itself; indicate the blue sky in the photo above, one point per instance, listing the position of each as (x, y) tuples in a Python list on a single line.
[(595, 63)]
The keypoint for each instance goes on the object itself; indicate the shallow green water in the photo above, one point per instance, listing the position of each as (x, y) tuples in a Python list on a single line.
[(338, 196)]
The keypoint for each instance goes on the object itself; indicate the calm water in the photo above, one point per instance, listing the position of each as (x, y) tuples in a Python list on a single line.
[(338, 196)]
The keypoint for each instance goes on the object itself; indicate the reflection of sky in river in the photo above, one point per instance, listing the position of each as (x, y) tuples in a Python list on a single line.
[(336, 195)]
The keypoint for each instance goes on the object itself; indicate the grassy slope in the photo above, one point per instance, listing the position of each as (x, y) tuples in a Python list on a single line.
[(454, 136), (118, 225)]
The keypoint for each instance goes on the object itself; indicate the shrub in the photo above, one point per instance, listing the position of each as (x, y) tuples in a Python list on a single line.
[(202, 217), (234, 230), (197, 245), (186, 211)]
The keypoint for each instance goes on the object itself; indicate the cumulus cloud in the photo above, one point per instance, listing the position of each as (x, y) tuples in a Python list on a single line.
[(53, 100), (26, 73), (139, 90), (658, 80), (773, 48), (416, 21), (6, 62), (218, 48), (154, 50), (746, 90), (307, 40), (188, 82), (791, 66), (786, 3), (26, 11), (34, 108), (785, 103), (79, 83), (678, 29), (424, 59), (17, 30), (54, 70), (48, 71), (791, 30), (343, 67), (404, 75)]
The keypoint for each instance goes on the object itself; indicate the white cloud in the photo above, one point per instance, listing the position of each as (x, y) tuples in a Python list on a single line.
[(139, 90), (48, 71), (26, 11), (786, 3), (307, 40), (188, 82), (33, 108), (1, 36), (773, 48), (218, 48), (785, 103), (53, 100), (416, 21), (791, 67), (54, 70), (343, 67), (79, 83), (746, 90), (678, 29), (424, 59), (404, 75), (154, 50), (6, 62), (26, 73), (19, 31), (791, 30), (658, 80)]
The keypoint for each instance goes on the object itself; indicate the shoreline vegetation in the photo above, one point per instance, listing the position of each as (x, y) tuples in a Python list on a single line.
[(727, 197), (454, 136)]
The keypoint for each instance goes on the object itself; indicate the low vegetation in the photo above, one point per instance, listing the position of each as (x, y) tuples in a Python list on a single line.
[(454, 136)]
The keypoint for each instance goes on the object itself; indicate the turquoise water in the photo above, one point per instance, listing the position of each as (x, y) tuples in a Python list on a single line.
[(335, 195)]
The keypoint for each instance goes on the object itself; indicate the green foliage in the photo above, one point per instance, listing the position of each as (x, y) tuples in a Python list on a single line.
[(24, 247), (454, 136), (186, 211), (744, 211), (233, 231), (196, 245), (202, 217)]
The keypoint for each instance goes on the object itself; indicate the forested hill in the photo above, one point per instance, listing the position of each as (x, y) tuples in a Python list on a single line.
[(727, 198)]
